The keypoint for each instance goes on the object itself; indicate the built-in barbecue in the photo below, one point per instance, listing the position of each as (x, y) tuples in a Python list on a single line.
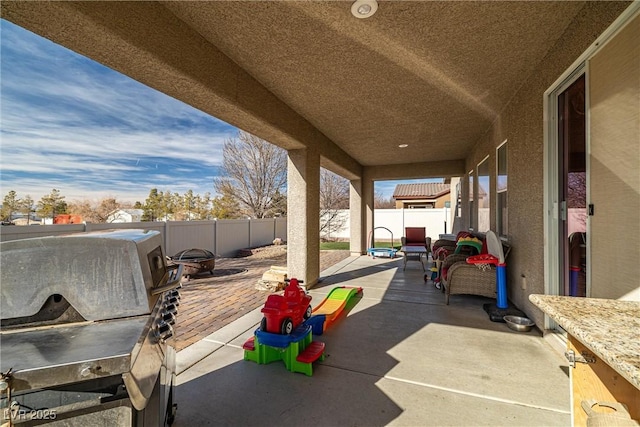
[(86, 330)]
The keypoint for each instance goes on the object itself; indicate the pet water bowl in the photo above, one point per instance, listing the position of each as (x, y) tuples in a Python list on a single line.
[(520, 324)]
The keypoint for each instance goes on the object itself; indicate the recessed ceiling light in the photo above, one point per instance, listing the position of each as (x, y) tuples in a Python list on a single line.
[(403, 145), (364, 8)]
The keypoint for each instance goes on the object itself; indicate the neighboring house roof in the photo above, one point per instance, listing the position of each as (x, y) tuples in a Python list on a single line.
[(125, 215), (426, 190), (131, 212), (138, 212)]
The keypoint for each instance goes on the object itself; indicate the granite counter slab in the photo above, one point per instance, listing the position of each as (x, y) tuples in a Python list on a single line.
[(609, 328)]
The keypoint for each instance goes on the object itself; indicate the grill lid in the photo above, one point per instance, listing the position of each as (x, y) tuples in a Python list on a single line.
[(103, 275)]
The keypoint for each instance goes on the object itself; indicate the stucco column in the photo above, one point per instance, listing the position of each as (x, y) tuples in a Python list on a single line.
[(367, 206), (303, 215), (357, 224)]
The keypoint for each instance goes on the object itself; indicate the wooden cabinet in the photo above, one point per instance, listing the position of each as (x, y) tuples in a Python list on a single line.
[(600, 382)]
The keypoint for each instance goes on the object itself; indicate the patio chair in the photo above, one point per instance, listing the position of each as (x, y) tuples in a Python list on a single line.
[(416, 236), (415, 244)]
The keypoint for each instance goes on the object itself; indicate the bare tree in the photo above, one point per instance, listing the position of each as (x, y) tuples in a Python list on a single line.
[(577, 197), (379, 201), (577, 190), (334, 196), (255, 171), (96, 212)]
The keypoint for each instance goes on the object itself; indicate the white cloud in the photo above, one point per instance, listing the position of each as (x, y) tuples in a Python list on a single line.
[(90, 132), (71, 124)]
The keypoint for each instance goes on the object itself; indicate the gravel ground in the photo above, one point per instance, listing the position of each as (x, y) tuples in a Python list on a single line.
[(279, 252)]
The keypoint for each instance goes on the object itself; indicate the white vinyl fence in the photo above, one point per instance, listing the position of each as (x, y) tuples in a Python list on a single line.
[(436, 222), (226, 236), (222, 237)]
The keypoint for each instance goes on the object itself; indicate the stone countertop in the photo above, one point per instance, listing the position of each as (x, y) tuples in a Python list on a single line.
[(609, 328)]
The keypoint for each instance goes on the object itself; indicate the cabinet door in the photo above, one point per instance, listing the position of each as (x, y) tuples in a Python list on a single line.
[(600, 382)]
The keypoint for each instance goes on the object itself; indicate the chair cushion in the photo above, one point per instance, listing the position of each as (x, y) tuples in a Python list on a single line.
[(415, 236)]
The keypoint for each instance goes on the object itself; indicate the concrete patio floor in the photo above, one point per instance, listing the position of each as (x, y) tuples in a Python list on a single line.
[(400, 357)]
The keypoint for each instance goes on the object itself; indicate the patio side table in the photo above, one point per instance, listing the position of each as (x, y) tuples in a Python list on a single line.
[(415, 253)]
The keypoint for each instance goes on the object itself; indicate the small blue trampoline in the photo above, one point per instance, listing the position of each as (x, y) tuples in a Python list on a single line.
[(381, 252)]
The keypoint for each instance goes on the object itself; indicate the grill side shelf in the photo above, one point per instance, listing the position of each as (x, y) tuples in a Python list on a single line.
[(62, 355)]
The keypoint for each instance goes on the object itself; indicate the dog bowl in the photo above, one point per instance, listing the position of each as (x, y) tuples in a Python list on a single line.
[(520, 324)]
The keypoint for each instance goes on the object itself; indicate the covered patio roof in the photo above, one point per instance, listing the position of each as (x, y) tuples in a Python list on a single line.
[(433, 75)]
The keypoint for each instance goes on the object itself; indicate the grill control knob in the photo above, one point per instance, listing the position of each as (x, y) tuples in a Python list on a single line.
[(163, 331), (172, 300), (171, 308), (169, 318), (174, 293)]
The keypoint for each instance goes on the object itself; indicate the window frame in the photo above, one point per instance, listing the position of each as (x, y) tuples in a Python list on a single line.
[(502, 194), (470, 199), (486, 186)]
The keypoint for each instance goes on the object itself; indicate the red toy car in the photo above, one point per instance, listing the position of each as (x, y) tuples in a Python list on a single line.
[(283, 313)]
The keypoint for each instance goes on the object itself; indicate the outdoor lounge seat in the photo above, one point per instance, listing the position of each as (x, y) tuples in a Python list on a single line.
[(469, 279), (442, 247)]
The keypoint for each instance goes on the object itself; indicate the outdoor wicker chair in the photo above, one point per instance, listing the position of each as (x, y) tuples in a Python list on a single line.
[(441, 249), (469, 279)]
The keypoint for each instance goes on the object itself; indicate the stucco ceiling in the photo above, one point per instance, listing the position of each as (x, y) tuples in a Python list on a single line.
[(430, 74)]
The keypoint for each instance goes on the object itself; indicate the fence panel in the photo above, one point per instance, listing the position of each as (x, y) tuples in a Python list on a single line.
[(147, 225), (395, 220), (432, 219), (281, 228), (391, 219), (17, 232), (262, 232), (183, 235), (231, 235)]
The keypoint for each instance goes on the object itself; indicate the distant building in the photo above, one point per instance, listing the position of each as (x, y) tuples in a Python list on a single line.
[(125, 215), (67, 219), (425, 195), (23, 219)]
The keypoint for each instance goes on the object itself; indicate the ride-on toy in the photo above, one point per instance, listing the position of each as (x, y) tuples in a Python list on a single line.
[(284, 313)]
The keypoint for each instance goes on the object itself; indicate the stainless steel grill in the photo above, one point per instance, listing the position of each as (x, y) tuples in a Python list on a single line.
[(87, 335)]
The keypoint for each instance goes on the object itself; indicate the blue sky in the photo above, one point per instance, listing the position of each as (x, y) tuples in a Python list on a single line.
[(72, 124)]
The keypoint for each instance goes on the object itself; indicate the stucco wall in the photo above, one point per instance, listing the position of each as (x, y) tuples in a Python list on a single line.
[(614, 83), (521, 123)]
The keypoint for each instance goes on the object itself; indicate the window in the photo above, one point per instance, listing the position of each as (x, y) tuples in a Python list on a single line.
[(472, 211), (484, 196), (458, 208), (501, 190)]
